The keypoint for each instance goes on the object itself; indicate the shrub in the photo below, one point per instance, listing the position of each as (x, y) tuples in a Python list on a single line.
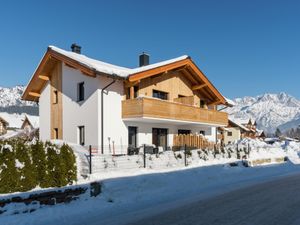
[(24, 166)]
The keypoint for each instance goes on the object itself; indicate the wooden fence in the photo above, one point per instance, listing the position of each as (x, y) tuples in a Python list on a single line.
[(193, 140)]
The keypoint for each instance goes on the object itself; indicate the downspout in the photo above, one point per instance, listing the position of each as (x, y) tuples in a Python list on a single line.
[(102, 118)]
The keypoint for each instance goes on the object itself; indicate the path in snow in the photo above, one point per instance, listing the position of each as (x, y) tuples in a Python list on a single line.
[(272, 202)]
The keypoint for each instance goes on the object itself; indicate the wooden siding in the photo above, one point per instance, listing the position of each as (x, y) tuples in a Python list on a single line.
[(175, 83), (156, 108), (192, 140), (56, 108)]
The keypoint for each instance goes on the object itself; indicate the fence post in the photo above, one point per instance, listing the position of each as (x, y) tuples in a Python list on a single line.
[(248, 150), (90, 151), (185, 163), (144, 156)]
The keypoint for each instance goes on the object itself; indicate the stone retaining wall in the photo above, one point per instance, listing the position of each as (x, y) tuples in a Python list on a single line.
[(16, 204)]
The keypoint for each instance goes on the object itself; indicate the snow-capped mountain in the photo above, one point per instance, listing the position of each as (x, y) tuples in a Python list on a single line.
[(10, 101), (269, 110)]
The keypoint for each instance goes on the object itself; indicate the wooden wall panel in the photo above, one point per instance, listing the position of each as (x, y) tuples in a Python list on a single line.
[(56, 108)]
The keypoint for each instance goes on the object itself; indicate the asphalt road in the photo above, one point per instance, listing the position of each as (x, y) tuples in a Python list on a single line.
[(270, 203)]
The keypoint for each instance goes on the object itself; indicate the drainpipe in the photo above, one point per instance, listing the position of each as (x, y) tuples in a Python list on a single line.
[(102, 127)]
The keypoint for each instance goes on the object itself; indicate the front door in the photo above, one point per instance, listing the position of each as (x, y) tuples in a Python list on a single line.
[(160, 137)]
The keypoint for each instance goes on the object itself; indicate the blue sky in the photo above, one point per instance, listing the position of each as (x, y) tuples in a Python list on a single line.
[(243, 47)]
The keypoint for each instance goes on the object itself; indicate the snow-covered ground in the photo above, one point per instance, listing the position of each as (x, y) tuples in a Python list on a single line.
[(133, 193)]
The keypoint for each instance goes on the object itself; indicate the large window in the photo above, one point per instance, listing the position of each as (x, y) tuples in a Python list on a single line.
[(80, 90), (132, 137), (160, 94), (81, 135), (160, 137)]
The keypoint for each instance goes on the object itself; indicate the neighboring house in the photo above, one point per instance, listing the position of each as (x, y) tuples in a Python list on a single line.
[(238, 129), (3, 126), (233, 132), (30, 123), (90, 102)]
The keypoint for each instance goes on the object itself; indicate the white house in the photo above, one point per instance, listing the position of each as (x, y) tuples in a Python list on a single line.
[(90, 102)]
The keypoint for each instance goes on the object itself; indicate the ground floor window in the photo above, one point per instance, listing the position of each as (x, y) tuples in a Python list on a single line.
[(132, 137), (81, 132), (202, 132), (180, 131), (160, 137)]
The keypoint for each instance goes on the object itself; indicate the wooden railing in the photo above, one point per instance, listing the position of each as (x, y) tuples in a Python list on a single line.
[(192, 140), (189, 100), (156, 108)]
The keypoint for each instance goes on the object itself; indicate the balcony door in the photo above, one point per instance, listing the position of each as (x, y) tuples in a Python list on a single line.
[(160, 137), (132, 133)]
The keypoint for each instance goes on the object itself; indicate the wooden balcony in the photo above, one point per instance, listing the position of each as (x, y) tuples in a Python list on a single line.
[(160, 109)]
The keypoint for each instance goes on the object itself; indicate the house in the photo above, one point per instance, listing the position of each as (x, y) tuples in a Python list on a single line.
[(30, 123), (3, 126), (90, 102), (238, 129), (233, 132)]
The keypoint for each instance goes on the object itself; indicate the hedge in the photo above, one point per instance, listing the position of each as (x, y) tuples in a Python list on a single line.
[(24, 166)]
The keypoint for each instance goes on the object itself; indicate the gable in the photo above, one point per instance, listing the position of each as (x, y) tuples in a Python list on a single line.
[(199, 84)]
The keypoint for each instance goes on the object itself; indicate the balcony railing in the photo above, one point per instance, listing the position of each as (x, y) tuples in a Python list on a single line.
[(161, 109)]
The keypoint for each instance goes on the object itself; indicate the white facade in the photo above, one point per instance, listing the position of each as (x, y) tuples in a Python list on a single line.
[(45, 113), (87, 113)]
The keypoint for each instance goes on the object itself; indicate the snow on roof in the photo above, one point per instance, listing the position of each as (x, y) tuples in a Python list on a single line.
[(34, 120), (229, 101), (239, 124), (111, 69), (14, 120)]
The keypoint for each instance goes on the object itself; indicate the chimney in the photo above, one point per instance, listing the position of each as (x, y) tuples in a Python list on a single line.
[(76, 48), (144, 59)]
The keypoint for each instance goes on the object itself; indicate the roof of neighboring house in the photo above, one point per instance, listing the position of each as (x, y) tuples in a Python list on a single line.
[(33, 120), (238, 124), (14, 120), (92, 67), (4, 121)]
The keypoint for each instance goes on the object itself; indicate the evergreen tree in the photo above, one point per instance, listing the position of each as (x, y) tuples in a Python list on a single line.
[(278, 132)]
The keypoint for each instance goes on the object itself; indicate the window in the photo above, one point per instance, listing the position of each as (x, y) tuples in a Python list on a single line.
[(202, 103), (229, 133), (160, 137), (132, 131), (160, 94), (202, 132), (180, 131), (81, 135), (80, 90), (55, 97), (55, 133), (136, 91)]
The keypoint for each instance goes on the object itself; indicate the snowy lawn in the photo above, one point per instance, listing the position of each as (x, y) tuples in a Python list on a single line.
[(148, 192)]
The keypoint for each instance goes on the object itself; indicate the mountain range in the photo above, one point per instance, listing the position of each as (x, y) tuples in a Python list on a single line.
[(271, 111), (10, 101)]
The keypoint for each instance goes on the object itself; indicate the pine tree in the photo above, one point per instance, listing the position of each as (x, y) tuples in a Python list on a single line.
[(278, 132)]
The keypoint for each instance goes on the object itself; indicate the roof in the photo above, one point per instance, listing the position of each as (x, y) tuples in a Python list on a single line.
[(33, 120), (14, 120), (93, 67), (238, 124), (230, 102), (4, 121)]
